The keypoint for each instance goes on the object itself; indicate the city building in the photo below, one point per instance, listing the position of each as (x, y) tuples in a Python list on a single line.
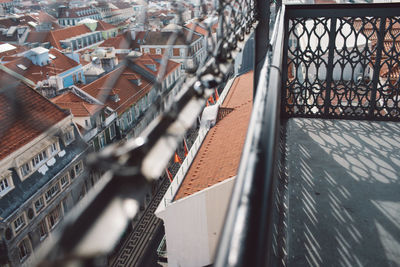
[(71, 16), (96, 122), (193, 211), (128, 90), (42, 171), (49, 70), (156, 43)]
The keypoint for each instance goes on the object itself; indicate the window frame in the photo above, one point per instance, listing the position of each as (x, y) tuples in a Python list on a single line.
[(18, 228), (39, 208)]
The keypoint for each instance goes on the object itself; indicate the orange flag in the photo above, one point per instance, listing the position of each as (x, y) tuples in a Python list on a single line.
[(185, 147), (169, 174), (177, 159), (211, 99), (216, 94)]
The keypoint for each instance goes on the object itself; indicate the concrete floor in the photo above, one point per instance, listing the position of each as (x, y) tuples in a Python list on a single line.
[(344, 193)]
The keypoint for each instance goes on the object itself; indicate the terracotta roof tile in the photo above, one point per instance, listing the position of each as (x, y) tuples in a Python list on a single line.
[(218, 157), (76, 105), (38, 73), (33, 116), (118, 42), (104, 26)]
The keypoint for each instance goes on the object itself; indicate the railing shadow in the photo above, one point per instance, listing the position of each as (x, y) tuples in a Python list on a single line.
[(344, 201)]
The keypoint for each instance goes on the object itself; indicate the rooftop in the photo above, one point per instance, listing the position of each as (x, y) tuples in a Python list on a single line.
[(17, 129), (218, 157), (38, 73), (76, 105)]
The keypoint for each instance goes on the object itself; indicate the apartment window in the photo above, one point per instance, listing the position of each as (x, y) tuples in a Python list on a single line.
[(53, 191), (78, 168), (158, 51), (129, 116), (19, 223), (112, 130), (72, 173), (42, 230), (39, 204), (146, 50), (53, 148), (74, 76), (54, 216), (4, 184), (23, 248), (64, 181), (182, 52), (68, 137), (102, 141), (39, 158)]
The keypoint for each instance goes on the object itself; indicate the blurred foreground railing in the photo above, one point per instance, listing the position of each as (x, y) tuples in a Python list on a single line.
[(93, 229)]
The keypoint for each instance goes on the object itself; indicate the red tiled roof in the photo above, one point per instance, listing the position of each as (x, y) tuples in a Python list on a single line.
[(33, 115), (218, 157), (104, 26), (76, 105), (118, 42), (120, 81), (147, 59), (58, 35), (38, 73), (197, 28)]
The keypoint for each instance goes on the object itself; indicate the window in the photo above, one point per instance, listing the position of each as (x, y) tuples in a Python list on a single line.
[(39, 204), (182, 52), (78, 168), (53, 148), (39, 158), (112, 130), (74, 76), (4, 184), (42, 230), (23, 248), (129, 116), (102, 141), (64, 181), (25, 169), (52, 192), (68, 137), (158, 51), (54, 216), (19, 223), (72, 173), (146, 50)]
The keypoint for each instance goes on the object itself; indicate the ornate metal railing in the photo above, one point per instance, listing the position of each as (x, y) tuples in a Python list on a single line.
[(342, 62)]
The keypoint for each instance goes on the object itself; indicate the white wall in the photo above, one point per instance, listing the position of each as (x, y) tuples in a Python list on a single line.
[(193, 225)]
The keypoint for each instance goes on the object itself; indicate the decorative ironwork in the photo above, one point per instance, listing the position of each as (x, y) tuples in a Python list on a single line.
[(342, 66)]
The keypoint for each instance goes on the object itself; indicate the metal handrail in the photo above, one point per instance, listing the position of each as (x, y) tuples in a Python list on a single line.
[(247, 230)]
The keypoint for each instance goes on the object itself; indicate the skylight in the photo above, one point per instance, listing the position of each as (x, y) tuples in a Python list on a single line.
[(22, 67)]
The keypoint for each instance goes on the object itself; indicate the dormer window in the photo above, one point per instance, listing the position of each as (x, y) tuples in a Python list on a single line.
[(53, 148), (68, 136), (158, 51), (39, 158), (25, 169), (6, 183)]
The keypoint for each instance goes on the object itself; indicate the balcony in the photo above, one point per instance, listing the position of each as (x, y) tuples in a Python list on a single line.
[(318, 181)]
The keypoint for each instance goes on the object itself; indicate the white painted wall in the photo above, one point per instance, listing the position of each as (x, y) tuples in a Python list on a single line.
[(193, 225)]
